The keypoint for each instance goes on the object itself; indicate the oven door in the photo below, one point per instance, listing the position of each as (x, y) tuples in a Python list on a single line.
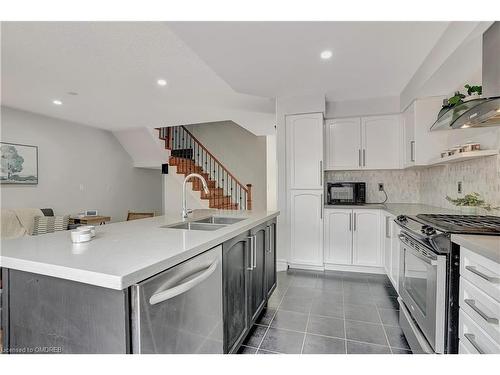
[(423, 290)]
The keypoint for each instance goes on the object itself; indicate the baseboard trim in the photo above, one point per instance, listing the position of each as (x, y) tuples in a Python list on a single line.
[(351, 268), (281, 265), (312, 267)]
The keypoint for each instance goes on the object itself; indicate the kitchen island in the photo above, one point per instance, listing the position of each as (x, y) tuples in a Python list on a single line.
[(79, 298)]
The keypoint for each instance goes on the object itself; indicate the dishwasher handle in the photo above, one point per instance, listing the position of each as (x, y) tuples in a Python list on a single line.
[(184, 287)]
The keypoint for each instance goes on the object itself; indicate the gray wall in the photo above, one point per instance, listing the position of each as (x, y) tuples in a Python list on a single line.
[(242, 152), (80, 168)]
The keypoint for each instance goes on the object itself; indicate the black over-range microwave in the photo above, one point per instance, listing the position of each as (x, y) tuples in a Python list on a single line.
[(346, 192)]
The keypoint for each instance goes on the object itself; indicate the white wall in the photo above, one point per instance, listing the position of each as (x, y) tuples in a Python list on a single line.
[(144, 146), (272, 173), (362, 107), (241, 152), (80, 168), (172, 194)]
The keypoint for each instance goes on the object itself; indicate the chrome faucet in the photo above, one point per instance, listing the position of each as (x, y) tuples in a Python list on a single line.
[(185, 210)]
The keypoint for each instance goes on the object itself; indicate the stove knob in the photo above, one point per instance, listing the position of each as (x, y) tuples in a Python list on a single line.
[(402, 218), (430, 231)]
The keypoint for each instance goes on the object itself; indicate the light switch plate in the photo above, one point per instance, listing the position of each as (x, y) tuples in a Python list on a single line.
[(459, 187)]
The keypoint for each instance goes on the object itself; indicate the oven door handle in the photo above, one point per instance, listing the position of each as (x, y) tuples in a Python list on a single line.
[(418, 254)]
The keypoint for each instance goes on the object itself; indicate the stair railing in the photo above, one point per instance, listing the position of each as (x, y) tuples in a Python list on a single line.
[(192, 153)]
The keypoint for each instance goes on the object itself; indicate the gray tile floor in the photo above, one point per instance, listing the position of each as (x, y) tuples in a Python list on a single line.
[(331, 313)]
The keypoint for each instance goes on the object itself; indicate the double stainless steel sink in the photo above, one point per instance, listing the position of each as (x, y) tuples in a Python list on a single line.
[(210, 223)]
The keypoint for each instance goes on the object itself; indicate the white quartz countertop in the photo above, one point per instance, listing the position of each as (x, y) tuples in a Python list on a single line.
[(123, 253), (487, 246), (396, 209)]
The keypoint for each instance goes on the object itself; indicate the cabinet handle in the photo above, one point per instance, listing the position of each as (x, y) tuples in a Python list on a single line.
[(412, 150), (350, 221), (387, 227), (472, 339), (268, 236), (472, 304), (251, 238), (255, 251), (354, 221), (321, 208), (359, 157), (321, 172), (474, 270), (364, 158)]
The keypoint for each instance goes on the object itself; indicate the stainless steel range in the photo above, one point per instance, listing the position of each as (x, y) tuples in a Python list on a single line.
[(429, 276)]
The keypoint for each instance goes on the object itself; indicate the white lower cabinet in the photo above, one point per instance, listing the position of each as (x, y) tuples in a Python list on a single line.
[(366, 238), (306, 227), (387, 243), (391, 249), (338, 236), (352, 237), (395, 254)]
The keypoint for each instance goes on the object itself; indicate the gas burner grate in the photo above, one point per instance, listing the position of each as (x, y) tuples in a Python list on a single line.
[(464, 223)]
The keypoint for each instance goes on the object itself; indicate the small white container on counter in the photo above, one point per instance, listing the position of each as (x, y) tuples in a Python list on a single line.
[(78, 236), (90, 228)]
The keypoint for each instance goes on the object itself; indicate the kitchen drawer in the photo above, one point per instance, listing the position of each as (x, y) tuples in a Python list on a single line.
[(484, 310), (473, 338), (482, 272)]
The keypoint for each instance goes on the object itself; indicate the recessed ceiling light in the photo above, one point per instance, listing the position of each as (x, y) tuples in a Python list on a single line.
[(327, 54), (57, 102), (161, 82)]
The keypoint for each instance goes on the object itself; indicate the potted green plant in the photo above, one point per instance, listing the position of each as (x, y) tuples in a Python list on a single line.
[(470, 203), (456, 99)]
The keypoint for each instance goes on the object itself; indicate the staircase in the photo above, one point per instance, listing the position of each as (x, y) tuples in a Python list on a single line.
[(190, 156)]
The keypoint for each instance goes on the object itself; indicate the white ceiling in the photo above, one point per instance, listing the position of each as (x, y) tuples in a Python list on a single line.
[(113, 66), (215, 71), (370, 59)]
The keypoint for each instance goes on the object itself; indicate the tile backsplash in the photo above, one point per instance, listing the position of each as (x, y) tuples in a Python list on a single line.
[(402, 186), (480, 175), (430, 185)]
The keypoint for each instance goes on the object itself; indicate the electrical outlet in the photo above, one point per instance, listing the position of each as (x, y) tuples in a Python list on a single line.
[(380, 186), (459, 187)]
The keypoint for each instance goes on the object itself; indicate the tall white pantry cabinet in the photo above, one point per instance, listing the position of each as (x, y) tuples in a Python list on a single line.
[(305, 194)]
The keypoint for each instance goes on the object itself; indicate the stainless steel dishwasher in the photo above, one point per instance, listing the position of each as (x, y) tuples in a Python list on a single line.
[(180, 310)]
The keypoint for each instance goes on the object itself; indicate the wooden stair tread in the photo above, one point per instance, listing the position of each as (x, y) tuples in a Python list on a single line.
[(184, 160)]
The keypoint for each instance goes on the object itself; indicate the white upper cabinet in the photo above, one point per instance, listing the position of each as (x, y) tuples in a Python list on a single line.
[(366, 249), (420, 145), (306, 227), (381, 142), (363, 143), (408, 119), (304, 151), (343, 143), (338, 236)]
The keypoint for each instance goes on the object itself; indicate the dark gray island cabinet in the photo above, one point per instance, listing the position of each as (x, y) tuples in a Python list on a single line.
[(45, 314), (249, 278)]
